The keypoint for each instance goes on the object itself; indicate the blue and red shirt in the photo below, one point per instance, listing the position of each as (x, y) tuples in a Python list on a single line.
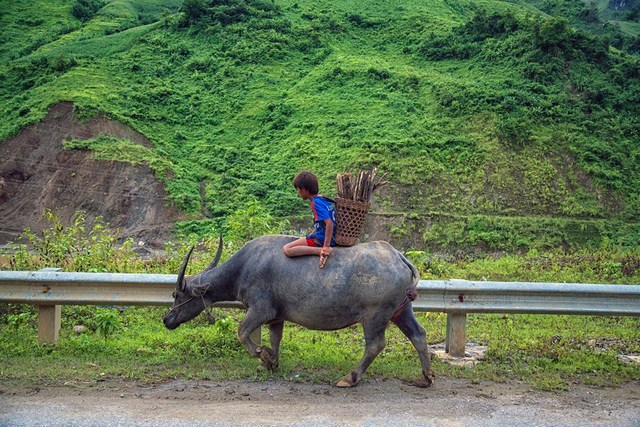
[(323, 208)]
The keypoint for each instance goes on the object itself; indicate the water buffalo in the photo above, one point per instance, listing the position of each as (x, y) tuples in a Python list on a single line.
[(370, 283)]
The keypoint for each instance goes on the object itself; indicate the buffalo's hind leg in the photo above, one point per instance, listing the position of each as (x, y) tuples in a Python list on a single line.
[(374, 343), (409, 325)]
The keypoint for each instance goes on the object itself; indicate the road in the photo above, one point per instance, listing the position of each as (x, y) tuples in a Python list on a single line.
[(451, 402)]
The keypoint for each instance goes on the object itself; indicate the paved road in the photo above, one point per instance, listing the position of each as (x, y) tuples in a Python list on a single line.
[(452, 402)]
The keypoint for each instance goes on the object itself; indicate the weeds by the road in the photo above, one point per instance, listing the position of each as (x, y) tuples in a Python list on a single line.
[(549, 352)]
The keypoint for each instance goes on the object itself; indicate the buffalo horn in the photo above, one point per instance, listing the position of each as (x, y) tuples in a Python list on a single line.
[(216, 259), (183, 270)]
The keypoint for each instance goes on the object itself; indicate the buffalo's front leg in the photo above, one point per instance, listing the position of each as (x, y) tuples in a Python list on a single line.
[(374, 343), (253, 320), (270, 356), (275, 336)]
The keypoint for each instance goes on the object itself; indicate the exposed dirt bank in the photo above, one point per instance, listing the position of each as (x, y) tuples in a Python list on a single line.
[(36, 173)]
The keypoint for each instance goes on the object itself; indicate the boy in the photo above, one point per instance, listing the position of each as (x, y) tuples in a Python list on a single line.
[(320, 241)]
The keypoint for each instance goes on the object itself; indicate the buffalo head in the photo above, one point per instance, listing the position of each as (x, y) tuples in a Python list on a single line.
[(189, 297)]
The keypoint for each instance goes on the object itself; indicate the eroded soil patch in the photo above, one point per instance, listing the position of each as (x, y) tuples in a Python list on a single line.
[(36, 174)]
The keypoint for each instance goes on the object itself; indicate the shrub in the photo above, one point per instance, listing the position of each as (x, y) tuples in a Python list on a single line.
[(108, 322), (86, 9), (513, 132), (226, 12), (253, 221), (194, 10), (75, 247)]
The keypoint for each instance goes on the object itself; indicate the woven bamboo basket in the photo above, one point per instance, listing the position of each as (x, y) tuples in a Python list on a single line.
[(350, 218)]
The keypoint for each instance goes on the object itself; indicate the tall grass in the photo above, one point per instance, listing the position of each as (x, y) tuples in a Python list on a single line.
[(549, 352)]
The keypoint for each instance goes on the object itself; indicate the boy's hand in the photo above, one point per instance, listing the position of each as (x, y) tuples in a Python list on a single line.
[(324, 255)]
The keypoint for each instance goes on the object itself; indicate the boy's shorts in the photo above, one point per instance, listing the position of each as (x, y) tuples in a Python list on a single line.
[(314, 242)]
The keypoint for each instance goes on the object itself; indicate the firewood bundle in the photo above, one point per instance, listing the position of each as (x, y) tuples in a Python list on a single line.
[(352, 203), (359, 187)]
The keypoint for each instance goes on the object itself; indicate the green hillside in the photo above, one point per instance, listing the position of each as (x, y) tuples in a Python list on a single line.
[(501, 117)]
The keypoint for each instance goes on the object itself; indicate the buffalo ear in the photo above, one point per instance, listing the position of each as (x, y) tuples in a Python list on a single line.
[(216, 259), (183, 269)]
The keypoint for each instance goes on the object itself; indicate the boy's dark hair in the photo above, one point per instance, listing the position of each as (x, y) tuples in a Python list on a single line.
[(306, 180)]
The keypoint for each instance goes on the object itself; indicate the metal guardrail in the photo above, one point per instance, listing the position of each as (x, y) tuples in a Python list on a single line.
[(528, 297), (54, 287), (459, 297), (51, 289)]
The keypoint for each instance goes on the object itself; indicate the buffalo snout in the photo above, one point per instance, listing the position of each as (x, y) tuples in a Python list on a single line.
[(170, 321)]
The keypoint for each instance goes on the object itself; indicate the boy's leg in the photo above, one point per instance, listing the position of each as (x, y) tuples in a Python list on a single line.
[(300, 247)]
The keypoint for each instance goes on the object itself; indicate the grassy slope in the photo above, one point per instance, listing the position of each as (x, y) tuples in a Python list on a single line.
[(238, 109)]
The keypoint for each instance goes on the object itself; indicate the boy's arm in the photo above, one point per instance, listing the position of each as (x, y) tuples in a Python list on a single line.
[(328, 232)]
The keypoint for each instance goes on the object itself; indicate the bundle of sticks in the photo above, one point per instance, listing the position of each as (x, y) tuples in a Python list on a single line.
[(359, 187)]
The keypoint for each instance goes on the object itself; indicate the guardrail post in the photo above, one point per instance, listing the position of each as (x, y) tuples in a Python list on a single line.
[(456, 339), (49, 318), (49, 323)]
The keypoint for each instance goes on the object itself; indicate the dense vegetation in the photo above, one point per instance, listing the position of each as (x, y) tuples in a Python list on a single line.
[(509, 126), (549, 352), (476, 109)]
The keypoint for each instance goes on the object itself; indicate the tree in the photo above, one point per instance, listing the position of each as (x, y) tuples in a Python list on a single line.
[(86, 9), (590, 13), (193, 11)]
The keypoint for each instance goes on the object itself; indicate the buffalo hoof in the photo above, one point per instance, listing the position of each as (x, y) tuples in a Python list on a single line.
[(425, 381), (267, 357), (344, 384), (348, 381)]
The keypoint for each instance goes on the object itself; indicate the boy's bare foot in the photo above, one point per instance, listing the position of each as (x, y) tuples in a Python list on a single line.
[(323, 259)]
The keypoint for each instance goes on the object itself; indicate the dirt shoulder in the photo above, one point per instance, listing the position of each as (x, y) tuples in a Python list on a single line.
[(451, 402)]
